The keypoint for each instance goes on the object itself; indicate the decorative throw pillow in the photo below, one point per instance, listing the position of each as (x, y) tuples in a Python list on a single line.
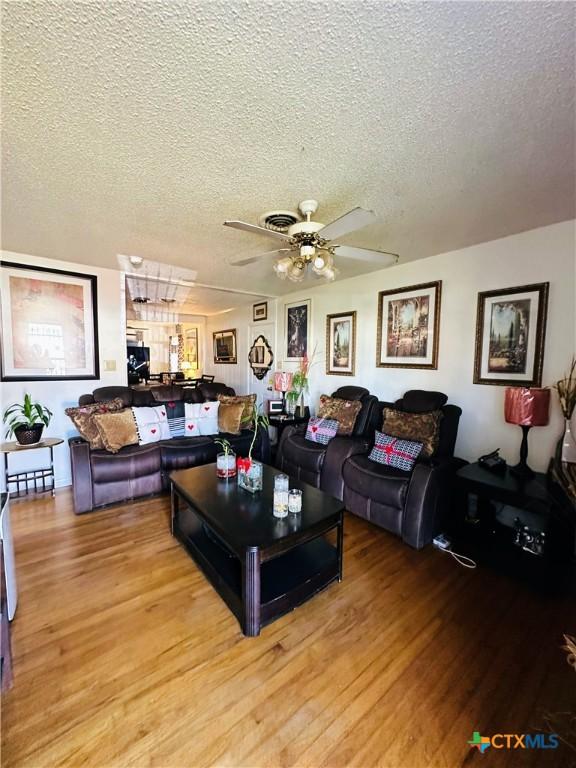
[(82, 418), (116, 429), (345, 412), (393, 452), (174, 412), (421, 427), (230, 417), (321, 430), (248, 401), (201, 418), (151, 424)]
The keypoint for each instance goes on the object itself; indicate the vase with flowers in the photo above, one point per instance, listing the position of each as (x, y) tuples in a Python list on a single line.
[(300, 381), (566, 389), (250, 470)]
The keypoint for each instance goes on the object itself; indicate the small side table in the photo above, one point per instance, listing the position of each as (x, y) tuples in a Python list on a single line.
[(521, 524), (43, 478)]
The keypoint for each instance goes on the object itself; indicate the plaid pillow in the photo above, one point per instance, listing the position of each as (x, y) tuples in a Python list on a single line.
[(321, 430), (394, 452)]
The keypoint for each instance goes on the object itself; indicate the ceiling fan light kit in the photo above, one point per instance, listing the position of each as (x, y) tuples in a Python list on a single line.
[(310, 244)]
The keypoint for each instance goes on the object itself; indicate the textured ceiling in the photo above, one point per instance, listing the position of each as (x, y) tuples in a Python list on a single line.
[(138, 127)]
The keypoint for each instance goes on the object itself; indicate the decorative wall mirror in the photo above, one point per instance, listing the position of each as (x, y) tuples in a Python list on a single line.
[(260, 357)]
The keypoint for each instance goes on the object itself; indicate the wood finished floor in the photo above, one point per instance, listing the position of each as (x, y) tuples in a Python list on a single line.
[(125, 656)]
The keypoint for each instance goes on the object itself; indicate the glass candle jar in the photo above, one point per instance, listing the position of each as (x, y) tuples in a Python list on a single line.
[(294, 501), (280, 506)]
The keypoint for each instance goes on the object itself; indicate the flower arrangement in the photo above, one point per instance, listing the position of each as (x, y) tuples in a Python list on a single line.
[(566, 389), (226, 460), (300, 379)]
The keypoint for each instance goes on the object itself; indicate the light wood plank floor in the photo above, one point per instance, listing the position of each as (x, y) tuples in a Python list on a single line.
[(125, 656)]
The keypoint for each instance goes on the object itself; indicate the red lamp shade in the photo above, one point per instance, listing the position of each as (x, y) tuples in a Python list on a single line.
[(282, 381), (527, 407)]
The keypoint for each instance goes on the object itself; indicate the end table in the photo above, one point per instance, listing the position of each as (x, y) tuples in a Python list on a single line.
[(43, 477)]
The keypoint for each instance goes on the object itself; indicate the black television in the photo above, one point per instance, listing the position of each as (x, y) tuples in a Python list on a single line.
[(138, 361)]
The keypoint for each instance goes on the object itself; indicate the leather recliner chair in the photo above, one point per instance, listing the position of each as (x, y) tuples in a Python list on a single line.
[(408, 504), (321, 465)]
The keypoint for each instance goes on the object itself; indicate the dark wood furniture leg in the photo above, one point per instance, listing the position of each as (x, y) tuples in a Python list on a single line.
[(340, 545), (174, 507), (251, 592)]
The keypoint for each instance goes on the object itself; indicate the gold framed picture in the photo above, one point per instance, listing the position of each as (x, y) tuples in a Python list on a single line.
[(341, 344)]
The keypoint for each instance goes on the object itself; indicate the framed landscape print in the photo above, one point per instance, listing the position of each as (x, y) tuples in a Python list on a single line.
[(341, 344), (49, 324), (260, 311), (297, 323), (510, 334), (225, 346), (409, 326)]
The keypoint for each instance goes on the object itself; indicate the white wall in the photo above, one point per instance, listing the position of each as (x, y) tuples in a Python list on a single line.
[(240, 376), (541, 255), (58, 395)]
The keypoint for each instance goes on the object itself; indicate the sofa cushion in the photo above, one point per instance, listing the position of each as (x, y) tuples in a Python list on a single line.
[(151, 424), (247, 401), (321, 430), (167, 393), (421, 401), (420, 427), (130, 462), (211, 390), (104, 394), (303, 453), (385, 485), (183, 452), (345, 412), (202, 418), (117, 430), (394, 452), (230, 417), (82, 418)]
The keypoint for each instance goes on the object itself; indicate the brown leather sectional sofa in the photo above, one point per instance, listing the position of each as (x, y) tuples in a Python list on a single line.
[(100, 478)]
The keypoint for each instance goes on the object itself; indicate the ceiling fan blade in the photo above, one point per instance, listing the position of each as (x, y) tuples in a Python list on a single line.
[(257, 230), (354, 219), (365, 254), (252, 259)]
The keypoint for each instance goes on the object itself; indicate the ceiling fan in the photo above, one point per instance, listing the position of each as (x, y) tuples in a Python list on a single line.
[(310, 243)]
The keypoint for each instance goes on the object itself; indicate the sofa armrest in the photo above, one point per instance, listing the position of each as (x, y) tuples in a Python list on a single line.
[(263, 441), (81, 475), (299, 429), (429, 490), (339, 449)]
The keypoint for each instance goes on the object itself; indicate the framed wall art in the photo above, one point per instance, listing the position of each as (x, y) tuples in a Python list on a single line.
[(49, 324), (191, 347), (341, 344), (409, 326), (225, 346), (297, 327), (260, 311), (510, 335)]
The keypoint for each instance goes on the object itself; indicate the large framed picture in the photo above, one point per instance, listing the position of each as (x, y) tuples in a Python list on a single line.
[(191, 353), (49, 324), (225, 346), (510, 335), (341, 344), (297, 326), (409, 326)]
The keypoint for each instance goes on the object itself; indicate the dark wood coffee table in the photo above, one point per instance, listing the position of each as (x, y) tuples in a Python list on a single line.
[(261, 566)]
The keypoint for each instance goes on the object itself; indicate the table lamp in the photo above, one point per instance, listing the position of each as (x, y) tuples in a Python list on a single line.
[(527, 408), (283, 383)]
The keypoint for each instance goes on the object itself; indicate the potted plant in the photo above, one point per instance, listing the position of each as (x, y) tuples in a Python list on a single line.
[(26, 421), (225, 460), (250, 470)]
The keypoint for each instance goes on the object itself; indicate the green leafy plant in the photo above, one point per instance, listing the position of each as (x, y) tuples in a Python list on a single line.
[(26, 414), (225, 445), (259, 420)]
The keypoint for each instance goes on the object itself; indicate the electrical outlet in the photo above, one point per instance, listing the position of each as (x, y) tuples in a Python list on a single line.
[(109, 365)]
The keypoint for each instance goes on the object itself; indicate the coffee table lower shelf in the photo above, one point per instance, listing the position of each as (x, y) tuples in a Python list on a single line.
[(259, 592)]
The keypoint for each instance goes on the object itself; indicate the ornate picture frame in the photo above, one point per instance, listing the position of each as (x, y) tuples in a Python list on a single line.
[(49, 324), (510, 336), (408, 333), (224, 343), (341, 344)]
